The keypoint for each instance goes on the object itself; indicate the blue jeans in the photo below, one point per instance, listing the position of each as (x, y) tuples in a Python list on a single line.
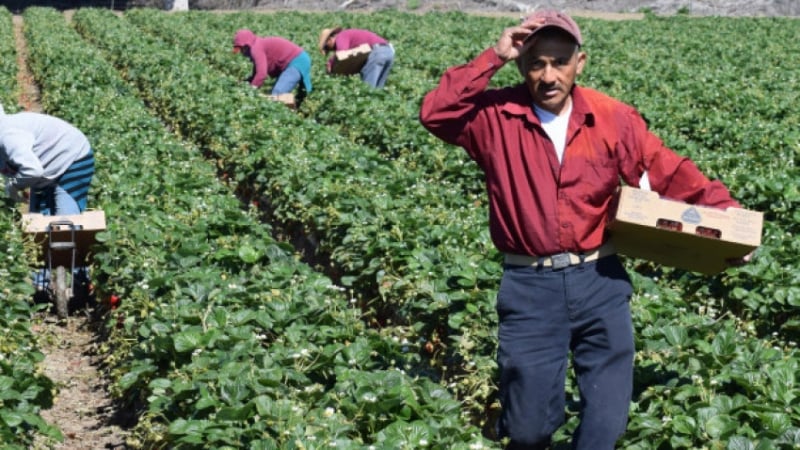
[(544, 315), (53, 199), (299, 69), (379, 63)]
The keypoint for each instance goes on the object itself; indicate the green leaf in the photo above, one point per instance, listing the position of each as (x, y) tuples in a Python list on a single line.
[(188, 427), (240, 413), (248, 254), (684, 424), (740, 443), (187, 341), (6, 383), (676, 335), (11, 418), (160, 385), (234, 392), (721, 426)]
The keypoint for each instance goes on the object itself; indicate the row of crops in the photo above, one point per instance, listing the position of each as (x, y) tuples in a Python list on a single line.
[(325, 277), (23, 388)]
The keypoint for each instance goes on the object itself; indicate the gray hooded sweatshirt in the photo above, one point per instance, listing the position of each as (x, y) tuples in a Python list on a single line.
[(36, 149)]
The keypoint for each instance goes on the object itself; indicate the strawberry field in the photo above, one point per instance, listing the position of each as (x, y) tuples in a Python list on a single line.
[(324, 278)]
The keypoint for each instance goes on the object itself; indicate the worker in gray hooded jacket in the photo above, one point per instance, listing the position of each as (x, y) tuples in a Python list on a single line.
[(50, 157)]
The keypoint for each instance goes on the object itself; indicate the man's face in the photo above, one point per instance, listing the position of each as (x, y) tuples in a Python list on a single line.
[(550, 65)]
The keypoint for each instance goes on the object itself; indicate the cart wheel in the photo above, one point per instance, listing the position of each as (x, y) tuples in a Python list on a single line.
[(61, 293)]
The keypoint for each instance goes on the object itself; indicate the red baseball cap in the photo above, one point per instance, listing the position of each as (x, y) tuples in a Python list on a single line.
[(555, 19)]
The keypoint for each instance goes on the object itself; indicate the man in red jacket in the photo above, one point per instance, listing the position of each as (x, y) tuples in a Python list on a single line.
[(553, 154)]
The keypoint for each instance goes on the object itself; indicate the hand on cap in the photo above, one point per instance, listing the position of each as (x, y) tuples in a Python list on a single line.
[(511, 42)]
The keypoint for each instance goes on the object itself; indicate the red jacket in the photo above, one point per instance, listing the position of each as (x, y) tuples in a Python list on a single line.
[(536, 205), (270, 55)]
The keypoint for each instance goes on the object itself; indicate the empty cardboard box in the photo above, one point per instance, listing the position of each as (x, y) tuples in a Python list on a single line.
[(674, 233), (349, 62), (86, 226)]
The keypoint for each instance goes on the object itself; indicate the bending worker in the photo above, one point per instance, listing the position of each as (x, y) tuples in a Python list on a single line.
[(276, 57), (379, 63), (49, 156)]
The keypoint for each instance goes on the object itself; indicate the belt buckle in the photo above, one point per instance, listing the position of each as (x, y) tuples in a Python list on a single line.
[(560, 261)]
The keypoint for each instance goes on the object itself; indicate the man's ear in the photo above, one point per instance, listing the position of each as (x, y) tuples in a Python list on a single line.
[(581, 62)]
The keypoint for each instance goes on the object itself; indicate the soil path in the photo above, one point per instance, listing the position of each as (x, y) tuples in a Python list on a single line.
[(29, 95), (83, 409)]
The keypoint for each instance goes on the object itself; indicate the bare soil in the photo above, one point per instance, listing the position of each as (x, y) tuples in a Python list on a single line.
[(29, 96), (83, 410)]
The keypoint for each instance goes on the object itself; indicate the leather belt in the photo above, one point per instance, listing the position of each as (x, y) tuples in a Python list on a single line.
[(560, 260)]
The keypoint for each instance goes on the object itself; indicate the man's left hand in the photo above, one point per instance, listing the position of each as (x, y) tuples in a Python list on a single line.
[(738, 262), (510, 44)]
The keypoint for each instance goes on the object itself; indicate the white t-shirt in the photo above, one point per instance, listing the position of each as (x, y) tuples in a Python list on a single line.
[(555, 127)]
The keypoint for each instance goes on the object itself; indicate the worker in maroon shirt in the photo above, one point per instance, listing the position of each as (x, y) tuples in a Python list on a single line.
[(276, 57), (553, 154), (375, 70)]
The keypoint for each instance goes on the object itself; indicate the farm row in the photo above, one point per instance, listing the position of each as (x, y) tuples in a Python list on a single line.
[(23, 388), (380, 329)]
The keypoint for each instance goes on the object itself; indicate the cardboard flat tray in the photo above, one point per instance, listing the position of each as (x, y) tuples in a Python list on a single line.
[(673, 233), (350, 62), (286, 99), (86, 224)]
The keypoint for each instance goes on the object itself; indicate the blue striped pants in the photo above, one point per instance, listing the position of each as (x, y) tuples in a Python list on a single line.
[(69, 193)]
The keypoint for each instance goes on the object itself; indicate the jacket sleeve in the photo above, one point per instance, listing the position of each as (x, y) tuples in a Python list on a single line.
[(671, 175), (449, 110), (260, 65), (24, 166)]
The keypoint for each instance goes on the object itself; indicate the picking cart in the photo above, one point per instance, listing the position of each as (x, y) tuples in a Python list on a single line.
[(66, 243)]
